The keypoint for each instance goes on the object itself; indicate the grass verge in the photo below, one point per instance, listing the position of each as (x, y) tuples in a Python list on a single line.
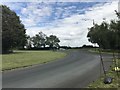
[(111, 73), (108, 51), (20, 59)]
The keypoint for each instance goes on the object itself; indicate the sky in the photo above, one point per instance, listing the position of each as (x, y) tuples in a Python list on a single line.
[(68, 20)]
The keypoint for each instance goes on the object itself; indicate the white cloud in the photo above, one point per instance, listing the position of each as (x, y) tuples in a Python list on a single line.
[(33, 13), (73, 30)]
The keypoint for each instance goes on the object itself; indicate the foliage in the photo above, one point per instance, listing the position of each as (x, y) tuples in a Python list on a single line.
[(29, 42), (106, 35), (13, 31), (52, 41), (41, 40)]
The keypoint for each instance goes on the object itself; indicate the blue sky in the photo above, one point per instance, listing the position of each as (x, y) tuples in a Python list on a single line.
[(68, 20), (49, 12)]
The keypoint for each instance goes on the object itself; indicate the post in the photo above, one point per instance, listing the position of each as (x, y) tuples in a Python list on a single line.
[(101, 58)]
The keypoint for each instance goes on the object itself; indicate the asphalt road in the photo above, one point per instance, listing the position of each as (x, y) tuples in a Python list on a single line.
[(76, 70)]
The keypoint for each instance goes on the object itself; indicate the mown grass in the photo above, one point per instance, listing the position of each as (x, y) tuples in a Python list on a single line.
[(111, 73), (26, 58)]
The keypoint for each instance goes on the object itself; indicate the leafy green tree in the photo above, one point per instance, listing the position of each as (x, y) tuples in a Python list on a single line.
[(106, 35), (115, 29), (29, 42), (13, 31), (53, 41), (39, 40)]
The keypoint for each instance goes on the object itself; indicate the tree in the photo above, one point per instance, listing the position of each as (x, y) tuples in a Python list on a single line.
[(13, 31), (107, 36), (39, 40), (53, 41), (29, 42), (115, 28)]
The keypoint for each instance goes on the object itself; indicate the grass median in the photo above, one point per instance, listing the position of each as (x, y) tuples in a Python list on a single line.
[(21, 58)]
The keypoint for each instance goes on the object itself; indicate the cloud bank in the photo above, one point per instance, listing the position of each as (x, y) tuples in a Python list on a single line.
[(67, 20)]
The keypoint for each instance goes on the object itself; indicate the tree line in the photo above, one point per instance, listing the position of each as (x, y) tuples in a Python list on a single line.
[(106, 35), (42, 41), (14, 34)]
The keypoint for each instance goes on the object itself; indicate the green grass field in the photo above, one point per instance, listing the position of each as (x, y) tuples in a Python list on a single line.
[(26, 58)]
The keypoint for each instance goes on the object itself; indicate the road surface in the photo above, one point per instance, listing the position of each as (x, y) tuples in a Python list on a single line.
[(76, 70)]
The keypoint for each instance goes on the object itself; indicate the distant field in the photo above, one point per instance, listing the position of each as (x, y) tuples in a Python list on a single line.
[(26, 58)]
